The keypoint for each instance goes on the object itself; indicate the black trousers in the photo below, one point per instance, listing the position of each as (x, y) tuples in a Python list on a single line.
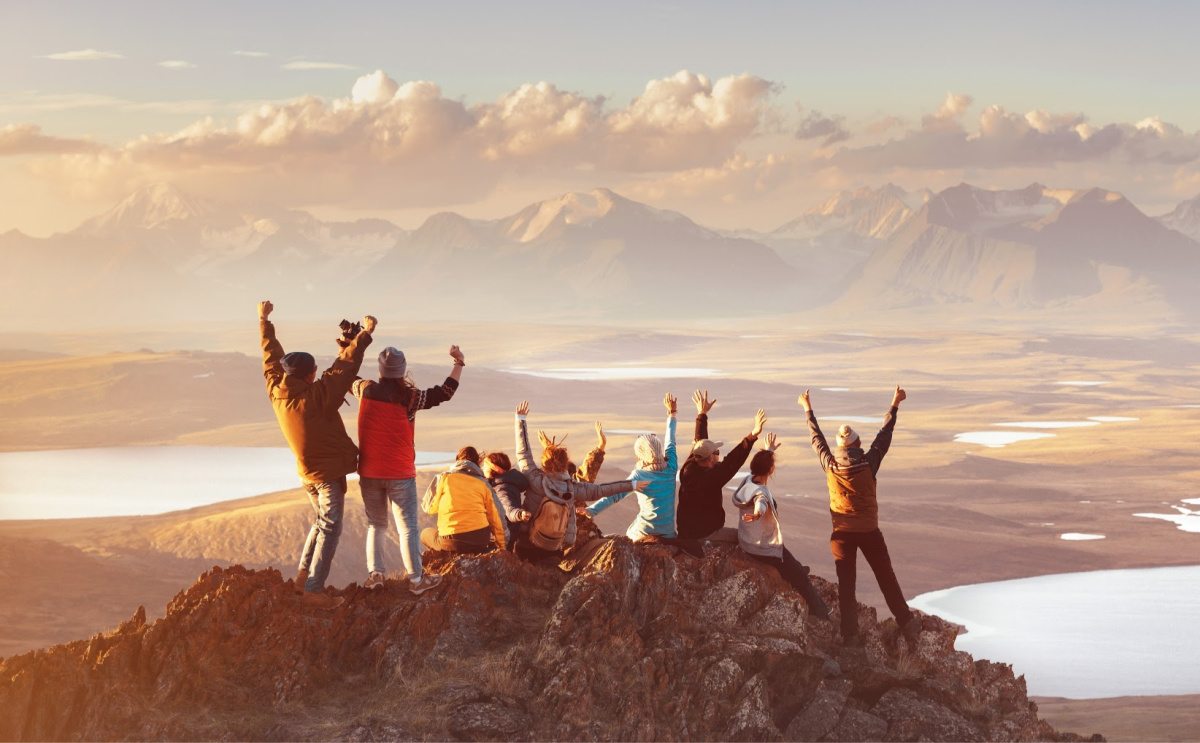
[(797, 575), (845, 546)]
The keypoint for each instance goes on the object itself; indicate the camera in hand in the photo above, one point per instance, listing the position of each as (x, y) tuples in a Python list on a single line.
[(350, 331)]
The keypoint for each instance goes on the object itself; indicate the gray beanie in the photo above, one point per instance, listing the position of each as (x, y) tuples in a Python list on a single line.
[(392, 364)]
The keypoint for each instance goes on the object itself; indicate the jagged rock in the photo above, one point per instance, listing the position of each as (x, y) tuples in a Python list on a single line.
[(638, 643), (857, 726), (822, 713), (910, 718)]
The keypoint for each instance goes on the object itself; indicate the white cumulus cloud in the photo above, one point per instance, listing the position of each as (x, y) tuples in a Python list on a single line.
[(83, 55), (28, 139)]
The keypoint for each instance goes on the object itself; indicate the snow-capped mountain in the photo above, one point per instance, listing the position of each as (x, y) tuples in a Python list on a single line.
[(1184, 218), (866, 212), (1031, 246)]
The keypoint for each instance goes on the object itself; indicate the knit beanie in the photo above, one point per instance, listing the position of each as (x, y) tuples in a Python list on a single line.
[(847, 438), (649, 452), (392, 364), (298, 363)]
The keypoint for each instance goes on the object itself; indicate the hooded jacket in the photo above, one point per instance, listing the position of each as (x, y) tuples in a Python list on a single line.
[(510, 489), (560, 485), (763, 536), (850, 476), (308, 414), (701, 509), (463, 501), (656, 504)]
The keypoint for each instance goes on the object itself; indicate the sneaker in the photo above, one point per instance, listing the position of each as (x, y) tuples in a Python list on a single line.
[(374, 580), (426, 583)]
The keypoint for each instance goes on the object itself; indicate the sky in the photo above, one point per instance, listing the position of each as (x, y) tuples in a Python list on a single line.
[(739, 115)]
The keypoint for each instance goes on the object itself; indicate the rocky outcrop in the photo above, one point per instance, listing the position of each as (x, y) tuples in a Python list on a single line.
[(638, 644)]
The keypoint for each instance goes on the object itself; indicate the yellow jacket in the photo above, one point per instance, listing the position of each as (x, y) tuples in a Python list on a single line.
[(463, 501)]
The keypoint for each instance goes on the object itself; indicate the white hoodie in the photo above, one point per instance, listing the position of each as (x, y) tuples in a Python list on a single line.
[(763, 536)]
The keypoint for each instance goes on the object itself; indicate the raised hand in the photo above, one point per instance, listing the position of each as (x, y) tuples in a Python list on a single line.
[(898, 397), (264, 309), (804, 401), (670, 403), (457, 355), (703, 404), (760, 422), (523, 408), (601, 439), (368, 323), (773, 442)]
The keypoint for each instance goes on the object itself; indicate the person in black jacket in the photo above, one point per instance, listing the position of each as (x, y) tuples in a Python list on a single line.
[(700, 512), (510, 486)]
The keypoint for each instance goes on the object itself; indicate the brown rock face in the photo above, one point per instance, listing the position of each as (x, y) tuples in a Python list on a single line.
[(638, 644)]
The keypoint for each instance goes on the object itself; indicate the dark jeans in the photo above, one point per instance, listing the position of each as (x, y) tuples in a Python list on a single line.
[(479, 540), (797, 575), (845, 546)]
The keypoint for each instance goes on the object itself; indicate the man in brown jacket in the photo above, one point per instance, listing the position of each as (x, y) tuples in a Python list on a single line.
[(850, 475), (307, 410)]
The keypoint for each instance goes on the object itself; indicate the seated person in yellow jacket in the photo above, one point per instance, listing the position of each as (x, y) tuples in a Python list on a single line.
[(468, 518)]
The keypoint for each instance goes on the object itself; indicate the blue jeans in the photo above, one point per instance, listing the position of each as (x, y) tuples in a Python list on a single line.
[(327, 499), (402, 495)]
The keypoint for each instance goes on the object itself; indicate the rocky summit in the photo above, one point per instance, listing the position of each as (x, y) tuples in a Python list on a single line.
[(638, 643)]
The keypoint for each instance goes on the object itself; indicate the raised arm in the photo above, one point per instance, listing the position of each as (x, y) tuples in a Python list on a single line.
[(271, 348), (524, 452), (729, 466), (339, 377), (703, 405), (670, 453), (883, 439), (819, 444), (595, 458), (435, 396)]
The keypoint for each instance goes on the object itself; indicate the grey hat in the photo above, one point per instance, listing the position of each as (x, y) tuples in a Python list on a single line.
[(392, 364), (298, 362)]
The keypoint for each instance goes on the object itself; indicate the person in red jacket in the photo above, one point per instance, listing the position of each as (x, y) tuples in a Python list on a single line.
[(387, 412)]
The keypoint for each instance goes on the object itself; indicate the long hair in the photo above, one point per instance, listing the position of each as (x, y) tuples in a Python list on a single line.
[(468, 453), (397, 389)]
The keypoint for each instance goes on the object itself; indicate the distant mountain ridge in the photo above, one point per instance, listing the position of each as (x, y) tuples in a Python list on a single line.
[(597, 255)]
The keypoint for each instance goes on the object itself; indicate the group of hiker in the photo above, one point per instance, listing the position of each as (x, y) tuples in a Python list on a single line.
[(484, 501)]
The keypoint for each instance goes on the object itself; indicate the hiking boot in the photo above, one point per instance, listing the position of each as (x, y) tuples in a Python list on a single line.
[(322, 600), (300, 579), (374, 580), (426, 583)]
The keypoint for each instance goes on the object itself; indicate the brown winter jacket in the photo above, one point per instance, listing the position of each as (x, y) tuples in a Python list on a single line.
[(308, 413), (850, 476)]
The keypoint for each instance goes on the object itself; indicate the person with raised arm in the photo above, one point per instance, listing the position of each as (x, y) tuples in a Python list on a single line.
[(850, 475), (552, 493), (387, 414), (701, 511), (657, 467), (307, 410), (759, 532)]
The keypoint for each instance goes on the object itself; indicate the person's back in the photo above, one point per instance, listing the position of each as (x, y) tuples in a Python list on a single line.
[(465, 506), (657, 467)]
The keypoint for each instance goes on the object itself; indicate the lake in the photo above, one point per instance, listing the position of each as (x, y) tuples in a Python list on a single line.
[(143, 480), (1087, 635)]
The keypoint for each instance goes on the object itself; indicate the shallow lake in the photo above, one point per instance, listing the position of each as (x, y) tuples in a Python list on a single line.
[(126, 481), (1087, 635)]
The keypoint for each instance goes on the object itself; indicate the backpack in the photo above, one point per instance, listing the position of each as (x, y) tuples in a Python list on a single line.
[(548, 527)]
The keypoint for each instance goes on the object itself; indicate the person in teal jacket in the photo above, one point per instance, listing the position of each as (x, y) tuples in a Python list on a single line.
[(658, 467)]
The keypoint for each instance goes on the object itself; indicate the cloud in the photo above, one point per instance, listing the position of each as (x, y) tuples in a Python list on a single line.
[(83, 55), (243, 53), (1005, 139), (176, 64), (303, 64), (27, 139), (829, 129), (389, 142)]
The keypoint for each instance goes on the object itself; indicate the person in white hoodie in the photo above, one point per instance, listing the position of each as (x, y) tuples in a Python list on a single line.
[(759, 533)]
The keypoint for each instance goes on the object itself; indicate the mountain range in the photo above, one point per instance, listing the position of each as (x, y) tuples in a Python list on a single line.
[(168, 255)]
